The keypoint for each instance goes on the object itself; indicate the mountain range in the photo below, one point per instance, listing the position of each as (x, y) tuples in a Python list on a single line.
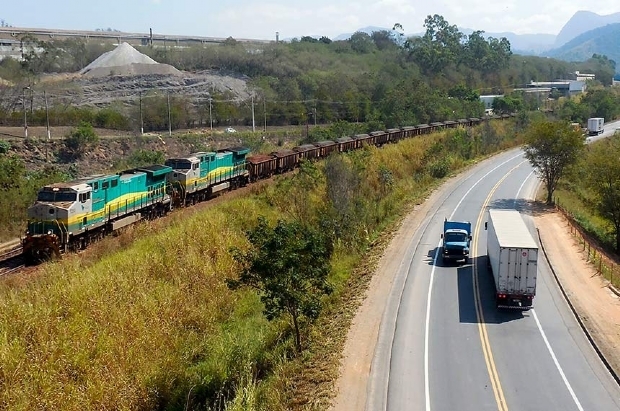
[(602, 40)]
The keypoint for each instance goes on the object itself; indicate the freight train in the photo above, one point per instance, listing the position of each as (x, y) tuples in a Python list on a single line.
[(68, 216)]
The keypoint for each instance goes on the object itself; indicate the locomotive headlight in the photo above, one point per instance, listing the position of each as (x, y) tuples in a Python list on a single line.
[(49, 232)]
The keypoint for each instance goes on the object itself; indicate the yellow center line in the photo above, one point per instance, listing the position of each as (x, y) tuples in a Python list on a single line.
[(482, 329)]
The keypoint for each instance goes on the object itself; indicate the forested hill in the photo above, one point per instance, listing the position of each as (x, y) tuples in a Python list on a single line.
[(602, 41)]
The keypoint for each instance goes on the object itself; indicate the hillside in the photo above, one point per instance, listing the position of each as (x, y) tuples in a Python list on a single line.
[(603, 40), (582, 22)]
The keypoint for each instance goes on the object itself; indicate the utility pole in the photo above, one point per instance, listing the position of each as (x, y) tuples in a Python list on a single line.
[(47, 116), (47, 123), (253, 125), (315, 116), (25, 112), (169, 124), (265, 114), (210, 116), (141, 121)]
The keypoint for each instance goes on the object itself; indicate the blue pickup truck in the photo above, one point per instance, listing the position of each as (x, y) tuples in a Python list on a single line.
[(456, 240)]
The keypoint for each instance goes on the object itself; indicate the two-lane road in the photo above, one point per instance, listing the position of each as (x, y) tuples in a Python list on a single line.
[(444, 346)]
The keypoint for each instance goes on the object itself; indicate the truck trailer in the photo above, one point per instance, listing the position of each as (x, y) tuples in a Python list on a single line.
[(512, 255), (596, 126)]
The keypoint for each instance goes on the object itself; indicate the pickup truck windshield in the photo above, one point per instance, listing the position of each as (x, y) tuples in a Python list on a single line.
[(456, 237)]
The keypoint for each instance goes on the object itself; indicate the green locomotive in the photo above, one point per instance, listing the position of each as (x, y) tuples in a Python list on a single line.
[(200, 175), (68, 216)]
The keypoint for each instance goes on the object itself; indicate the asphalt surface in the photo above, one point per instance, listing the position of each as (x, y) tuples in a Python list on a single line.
[(444, 346)]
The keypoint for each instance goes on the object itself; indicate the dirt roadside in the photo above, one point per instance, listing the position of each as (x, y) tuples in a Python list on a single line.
[(597, 306)]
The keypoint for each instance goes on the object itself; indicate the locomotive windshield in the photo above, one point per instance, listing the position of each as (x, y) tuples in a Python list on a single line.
[(179, 164), (56, 196)]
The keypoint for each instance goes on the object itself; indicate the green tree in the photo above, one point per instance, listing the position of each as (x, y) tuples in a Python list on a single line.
[(439, 47), (603, 170), (288, 265), (361, 43), (551, 147), (507, 105), (80, 139), (462, 92), (604, 103)]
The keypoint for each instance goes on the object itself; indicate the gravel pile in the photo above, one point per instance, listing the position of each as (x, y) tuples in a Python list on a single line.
[(125, 60)]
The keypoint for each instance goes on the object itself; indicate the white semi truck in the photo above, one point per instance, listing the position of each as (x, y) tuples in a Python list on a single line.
[(512, 255), (596, 126)]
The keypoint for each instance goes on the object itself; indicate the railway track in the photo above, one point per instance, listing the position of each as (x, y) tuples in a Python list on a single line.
[(11, 259)]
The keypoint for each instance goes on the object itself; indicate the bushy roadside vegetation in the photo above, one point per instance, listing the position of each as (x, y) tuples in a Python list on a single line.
[(591, 192), (154, 326)]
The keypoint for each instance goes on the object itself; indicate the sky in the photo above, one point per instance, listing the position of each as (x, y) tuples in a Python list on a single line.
[(261, 19)]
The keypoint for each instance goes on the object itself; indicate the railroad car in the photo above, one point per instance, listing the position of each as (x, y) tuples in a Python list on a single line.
[(396, 134), (286, 160), (361, 140), (326, 147), (308, 151), (67, 216), (408, 132), (380, 138), (345, 144), (436, 126), (423, 129), (202, 174), (261, 166), (463, 122)]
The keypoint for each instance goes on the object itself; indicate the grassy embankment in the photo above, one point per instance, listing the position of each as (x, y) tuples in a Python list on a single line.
[(145, 320)]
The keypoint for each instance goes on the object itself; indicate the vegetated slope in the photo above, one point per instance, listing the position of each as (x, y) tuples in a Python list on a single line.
[(581, 22), (156, 327), (603, 40)]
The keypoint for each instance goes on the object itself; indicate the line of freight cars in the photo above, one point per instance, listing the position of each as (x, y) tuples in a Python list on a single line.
[(68, 216), (265, 165)]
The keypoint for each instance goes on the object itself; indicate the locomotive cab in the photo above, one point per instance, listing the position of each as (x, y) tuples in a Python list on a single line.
[(60, 211), (184, 176)]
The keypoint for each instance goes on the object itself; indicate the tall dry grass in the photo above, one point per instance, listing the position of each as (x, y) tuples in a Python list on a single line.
[(153, 325)]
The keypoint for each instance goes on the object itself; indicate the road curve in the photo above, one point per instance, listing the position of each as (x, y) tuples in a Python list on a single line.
[(443, 345)]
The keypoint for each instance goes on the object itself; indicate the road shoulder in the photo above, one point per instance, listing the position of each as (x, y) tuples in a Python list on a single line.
[(596, 305)]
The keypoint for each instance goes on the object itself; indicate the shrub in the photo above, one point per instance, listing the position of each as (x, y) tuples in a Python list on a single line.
[(5, 146), (80, 139)]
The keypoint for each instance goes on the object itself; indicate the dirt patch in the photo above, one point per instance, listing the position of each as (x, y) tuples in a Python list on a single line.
[(595, 302)]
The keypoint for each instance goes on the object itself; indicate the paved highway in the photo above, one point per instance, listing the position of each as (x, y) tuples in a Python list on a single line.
[(444, 346)]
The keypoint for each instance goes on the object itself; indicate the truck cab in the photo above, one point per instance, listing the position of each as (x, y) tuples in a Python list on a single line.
[(456, 242)]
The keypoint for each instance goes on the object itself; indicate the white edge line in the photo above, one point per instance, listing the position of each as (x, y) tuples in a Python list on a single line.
[(544, 336), (557, 363), (427, 393)]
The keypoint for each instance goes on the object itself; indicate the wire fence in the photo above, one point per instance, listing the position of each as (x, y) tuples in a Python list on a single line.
[(595, 255)]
